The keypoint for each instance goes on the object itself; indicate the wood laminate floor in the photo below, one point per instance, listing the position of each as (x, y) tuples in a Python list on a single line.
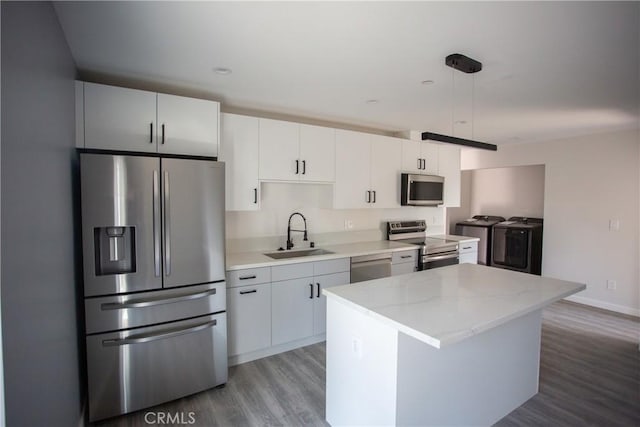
[(589, 375)]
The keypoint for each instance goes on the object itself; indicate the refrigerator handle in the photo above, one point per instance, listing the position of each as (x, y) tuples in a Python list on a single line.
[(167, 226), (156, 223)]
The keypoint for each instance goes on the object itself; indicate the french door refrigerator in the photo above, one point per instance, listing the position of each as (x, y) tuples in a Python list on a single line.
[(154, 279)]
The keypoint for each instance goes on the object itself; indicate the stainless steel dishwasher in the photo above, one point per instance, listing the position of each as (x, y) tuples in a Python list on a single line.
[(369, 267)]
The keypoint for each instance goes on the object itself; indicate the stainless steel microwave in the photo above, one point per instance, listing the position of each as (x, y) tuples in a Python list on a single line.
[(421, 190)]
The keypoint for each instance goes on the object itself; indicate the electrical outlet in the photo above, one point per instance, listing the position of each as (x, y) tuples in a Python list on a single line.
[(350, 224), (614, 224), (611, 284), (356, 347)]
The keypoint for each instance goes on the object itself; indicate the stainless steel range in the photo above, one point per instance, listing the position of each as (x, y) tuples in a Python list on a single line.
[(434, 252)]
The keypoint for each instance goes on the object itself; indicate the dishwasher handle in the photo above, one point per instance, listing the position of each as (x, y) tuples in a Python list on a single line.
[(384, 257)]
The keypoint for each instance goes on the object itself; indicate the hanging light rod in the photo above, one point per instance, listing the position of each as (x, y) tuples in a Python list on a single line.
[(458, 141), (466, 65)]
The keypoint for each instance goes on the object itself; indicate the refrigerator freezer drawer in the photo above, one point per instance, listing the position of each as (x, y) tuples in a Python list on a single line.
[(112, 313), (135, 369)]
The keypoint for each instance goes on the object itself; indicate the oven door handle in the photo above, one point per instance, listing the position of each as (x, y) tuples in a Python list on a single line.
[(429, 258), (142, 338)]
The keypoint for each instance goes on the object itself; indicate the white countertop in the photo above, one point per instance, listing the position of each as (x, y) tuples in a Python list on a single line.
[(241, 260), (445, 305), (459, 239)]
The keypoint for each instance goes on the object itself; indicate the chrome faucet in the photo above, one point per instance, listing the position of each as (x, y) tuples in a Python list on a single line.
[(289, 230)]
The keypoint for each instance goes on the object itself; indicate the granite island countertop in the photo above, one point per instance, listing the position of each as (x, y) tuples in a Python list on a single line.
[(446, 305)]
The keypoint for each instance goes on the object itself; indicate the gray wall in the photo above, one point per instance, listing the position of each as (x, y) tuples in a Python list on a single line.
[(40, 341)]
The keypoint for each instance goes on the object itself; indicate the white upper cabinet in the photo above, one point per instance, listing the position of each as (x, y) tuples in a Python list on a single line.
[(239, 146), (279, 150), (449, 168), (317, 153), (386, 158), (419, 157), (187, 125), (367, 171), (118, 118), (296, 152), (353, 166)]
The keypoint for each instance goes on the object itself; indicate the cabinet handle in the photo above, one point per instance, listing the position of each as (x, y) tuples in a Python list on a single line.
[(368, 196), (247, 277), (466, 247), (405, 256), (311, 289), (151, 133), (255, 196), (252, 291), (297, 167), (419, 163), (318, 292), (304, 167), (374, 196), (424, 164), (163, 133)]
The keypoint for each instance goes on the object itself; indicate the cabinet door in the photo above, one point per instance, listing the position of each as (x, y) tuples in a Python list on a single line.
[(187, 125), (449, 167), (238, 147), (279, 150), (320, 302), (116, 118), (429, 152), (317, 153), (291, 310), (386, 159), (469, 258), (353, 159), (249, 318), (411, 160)]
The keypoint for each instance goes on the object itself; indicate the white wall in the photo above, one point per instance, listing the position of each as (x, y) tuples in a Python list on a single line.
[(41, 348), (588, 181), (268, 227), (514, 191), (454, 215)]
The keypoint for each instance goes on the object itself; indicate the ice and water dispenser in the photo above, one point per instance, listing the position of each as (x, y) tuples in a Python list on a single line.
[(115, 250)]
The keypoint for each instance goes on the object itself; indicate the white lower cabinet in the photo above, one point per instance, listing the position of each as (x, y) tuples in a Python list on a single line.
[(320, 302), (292, 310), (274, 309), (468, 252), (298, 308), (403, 262), (249, 318)]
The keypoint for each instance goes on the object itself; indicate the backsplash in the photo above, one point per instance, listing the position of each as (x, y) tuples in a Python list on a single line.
[(266, 229)]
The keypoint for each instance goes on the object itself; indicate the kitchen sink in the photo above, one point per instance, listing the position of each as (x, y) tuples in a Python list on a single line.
[(298, 253)]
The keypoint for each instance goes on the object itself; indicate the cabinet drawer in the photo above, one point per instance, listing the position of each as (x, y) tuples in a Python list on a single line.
[(404, 256), (249, 276), (291, 271), (249, 317), (331, 266), (465, 247)]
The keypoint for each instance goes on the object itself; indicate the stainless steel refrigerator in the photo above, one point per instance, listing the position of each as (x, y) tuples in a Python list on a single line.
[(154, 279)]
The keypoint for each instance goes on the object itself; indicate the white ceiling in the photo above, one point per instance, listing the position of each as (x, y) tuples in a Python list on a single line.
[(551, 69)]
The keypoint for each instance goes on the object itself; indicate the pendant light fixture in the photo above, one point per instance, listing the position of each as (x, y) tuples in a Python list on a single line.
[(467, 65)]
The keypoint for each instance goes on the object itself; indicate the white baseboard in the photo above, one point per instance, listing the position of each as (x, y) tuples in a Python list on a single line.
[(605, 305), (270, 351)]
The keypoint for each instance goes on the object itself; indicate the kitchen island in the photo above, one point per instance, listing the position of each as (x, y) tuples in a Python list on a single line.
[(457, 345)]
